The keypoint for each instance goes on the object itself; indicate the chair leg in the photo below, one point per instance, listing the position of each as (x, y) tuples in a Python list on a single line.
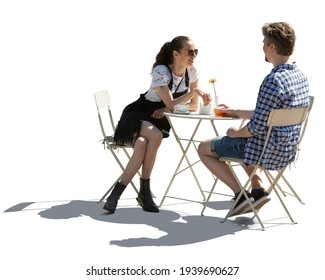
[(284, 206), (123, 169), (273, 181), (243, 192), (284, 193), (292, 190), (208, 198)]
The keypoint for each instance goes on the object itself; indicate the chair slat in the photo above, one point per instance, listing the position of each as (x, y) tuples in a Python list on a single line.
[(283, 117)]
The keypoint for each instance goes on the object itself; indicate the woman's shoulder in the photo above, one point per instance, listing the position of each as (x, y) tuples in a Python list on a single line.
[(192, 69), (193, 73), (161, 68)]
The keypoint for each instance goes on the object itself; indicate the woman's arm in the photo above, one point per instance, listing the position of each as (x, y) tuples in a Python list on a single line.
[(194, 101), (192, 96)]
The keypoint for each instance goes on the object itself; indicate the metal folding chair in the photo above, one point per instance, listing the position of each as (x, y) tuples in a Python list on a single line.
[(277, 118), (105, 116), (291, 190)]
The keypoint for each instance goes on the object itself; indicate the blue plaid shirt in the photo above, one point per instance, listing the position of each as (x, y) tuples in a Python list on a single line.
[(285, 87)]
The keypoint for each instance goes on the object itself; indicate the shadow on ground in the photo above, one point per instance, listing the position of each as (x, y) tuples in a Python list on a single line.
[(178, 229)]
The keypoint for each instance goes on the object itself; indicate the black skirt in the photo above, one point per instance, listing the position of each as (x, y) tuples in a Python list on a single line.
[(129, 125)]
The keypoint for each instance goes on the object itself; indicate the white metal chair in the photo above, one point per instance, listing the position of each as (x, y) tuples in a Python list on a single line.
[(105, 115), (277, 117), (291, 190)]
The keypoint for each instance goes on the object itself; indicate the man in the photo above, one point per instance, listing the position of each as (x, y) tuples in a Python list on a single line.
[(285, 87)]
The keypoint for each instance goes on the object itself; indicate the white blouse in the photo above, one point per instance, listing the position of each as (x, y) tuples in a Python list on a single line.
[(161, 77)]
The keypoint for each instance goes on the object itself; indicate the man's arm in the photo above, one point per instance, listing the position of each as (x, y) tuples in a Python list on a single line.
[(234, 132)]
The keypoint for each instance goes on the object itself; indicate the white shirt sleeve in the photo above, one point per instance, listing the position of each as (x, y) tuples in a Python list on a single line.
[(160, 76)]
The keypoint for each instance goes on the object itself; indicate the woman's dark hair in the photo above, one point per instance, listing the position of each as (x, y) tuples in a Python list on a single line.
[(282, 35), (165, 55)]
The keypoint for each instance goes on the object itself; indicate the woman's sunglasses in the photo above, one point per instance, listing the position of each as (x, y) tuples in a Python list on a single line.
[(190, 52)]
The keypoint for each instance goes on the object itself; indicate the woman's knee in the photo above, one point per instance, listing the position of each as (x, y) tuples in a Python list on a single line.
[(141, 143), (153, 134)]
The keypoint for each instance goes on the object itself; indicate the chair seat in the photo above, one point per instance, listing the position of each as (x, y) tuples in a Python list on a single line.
[(236, 160), (110, 141)]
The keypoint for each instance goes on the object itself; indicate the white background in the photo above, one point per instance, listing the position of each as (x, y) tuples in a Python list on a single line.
[(55, 54)]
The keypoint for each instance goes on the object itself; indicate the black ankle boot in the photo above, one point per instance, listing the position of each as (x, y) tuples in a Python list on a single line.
[(145, 198), (111, 202)]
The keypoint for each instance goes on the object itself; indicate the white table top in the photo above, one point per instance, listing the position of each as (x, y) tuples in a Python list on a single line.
[(196, 115)]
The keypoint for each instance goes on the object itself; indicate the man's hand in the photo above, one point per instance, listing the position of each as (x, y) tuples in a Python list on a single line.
[(232, 132)]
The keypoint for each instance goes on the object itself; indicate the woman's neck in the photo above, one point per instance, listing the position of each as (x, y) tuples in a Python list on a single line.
[(178, 70)]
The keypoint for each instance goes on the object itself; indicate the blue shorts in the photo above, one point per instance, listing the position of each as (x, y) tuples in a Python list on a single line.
[(224, 146)]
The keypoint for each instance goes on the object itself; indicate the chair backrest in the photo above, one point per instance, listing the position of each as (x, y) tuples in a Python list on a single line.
[(311, 103), (284, 117), (102, 100)]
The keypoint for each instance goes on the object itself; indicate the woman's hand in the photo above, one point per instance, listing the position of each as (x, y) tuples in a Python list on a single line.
[(206, 98), (159, 113)]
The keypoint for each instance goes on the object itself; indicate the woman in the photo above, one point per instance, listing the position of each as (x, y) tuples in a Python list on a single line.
[(174, 81)]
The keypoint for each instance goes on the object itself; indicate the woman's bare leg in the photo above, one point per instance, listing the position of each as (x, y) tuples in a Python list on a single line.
[(136, 160), (154, 138), (144, 153)]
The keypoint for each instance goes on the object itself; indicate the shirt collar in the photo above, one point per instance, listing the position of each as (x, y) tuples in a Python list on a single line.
[(286, 66)]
